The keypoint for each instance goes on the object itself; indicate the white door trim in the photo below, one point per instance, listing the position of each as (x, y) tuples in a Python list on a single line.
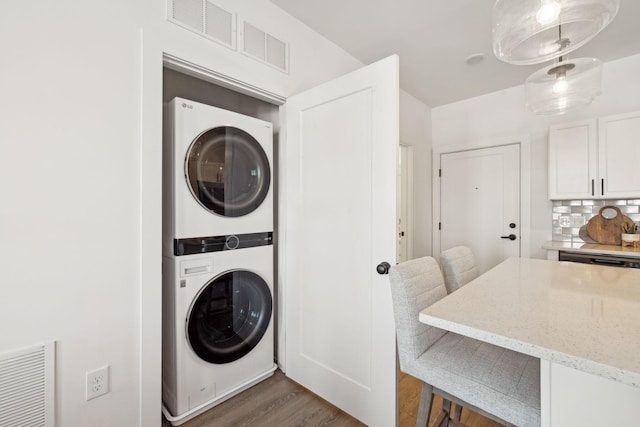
[(525, 185), (150, 220), (182, 65), (409, 193)]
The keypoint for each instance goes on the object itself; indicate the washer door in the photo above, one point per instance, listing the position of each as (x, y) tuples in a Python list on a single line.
[(229, 316), (227, 171)]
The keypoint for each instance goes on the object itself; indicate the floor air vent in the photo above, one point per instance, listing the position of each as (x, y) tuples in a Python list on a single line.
[(26, 387)]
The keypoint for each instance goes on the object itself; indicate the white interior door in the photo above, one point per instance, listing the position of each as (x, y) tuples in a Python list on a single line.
[(480, 203), (338, 213)]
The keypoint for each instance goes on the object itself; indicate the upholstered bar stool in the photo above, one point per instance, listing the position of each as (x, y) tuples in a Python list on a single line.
[(458, 266), (498, 383)]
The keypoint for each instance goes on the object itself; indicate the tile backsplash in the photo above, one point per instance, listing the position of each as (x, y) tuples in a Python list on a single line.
[(569, 215)]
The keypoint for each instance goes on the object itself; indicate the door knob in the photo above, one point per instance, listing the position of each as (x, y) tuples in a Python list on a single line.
[(383, 268), (510, 237)]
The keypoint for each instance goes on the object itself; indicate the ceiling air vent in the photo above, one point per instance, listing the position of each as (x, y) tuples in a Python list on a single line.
[(205, 18), (264, 47)]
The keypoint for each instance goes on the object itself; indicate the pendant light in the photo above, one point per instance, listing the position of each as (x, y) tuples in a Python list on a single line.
[(526, 31), (564, 86)]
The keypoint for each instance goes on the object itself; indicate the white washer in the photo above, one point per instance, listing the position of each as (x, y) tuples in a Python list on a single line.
[(218, 334), (217, 173)]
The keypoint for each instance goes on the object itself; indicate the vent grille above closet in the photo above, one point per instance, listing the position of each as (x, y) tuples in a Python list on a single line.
[(219, 23), (264, 47), (206, 19)]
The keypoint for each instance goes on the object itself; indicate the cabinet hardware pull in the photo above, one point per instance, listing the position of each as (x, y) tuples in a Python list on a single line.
[(592, 187), (602, 185)]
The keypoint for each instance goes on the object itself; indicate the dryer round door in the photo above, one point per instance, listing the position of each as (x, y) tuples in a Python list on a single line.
[(227, 171), (229, 316)]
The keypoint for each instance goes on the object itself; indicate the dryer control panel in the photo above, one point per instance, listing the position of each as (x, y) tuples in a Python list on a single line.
[(201, 245)]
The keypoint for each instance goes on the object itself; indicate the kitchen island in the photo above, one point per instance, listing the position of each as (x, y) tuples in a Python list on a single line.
[(582, 321)]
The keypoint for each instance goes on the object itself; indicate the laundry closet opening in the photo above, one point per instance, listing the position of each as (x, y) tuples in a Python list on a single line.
[(177, 84), (220, 168)]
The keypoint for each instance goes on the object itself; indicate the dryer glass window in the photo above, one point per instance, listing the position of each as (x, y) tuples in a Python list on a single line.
[(229, 317), (228, 171)]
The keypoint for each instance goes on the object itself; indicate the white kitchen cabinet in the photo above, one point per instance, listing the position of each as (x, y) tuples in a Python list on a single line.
[(595, 159), (573, 160), (570, 397), (619, 155)]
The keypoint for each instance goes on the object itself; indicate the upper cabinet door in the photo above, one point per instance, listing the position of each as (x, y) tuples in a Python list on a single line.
[(619, 156), (572, 160)]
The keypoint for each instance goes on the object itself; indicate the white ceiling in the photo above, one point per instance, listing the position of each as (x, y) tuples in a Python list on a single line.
[(433, 38)]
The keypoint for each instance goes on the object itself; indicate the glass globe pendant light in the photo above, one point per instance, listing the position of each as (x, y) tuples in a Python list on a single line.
[(564, 86), (526, 31)]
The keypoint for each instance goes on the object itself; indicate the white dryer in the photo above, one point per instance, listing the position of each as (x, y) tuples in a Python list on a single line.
[(217, 173), (218, 334)]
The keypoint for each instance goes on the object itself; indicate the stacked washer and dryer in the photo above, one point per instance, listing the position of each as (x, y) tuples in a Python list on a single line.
[(218, 334)]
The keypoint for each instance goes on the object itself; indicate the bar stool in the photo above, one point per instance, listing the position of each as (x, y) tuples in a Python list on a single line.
[(459, 267), (496, 382)]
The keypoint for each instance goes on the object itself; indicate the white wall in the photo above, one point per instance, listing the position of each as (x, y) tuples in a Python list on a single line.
[(70, 210), (503, 114), (80, 173), (313, 59)]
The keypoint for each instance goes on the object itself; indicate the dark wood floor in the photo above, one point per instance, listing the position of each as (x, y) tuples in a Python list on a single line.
[(278, 401)]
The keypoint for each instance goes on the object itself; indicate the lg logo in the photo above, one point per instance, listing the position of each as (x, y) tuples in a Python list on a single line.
[(185, 105)]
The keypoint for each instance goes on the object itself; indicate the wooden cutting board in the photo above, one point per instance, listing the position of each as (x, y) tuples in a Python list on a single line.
[(607, 230)]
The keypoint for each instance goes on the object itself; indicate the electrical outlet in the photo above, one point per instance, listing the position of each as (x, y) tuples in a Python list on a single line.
[(97, 382)]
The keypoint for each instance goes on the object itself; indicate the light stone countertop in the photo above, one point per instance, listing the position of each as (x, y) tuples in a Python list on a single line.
[(580, 315), (592, 248)]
